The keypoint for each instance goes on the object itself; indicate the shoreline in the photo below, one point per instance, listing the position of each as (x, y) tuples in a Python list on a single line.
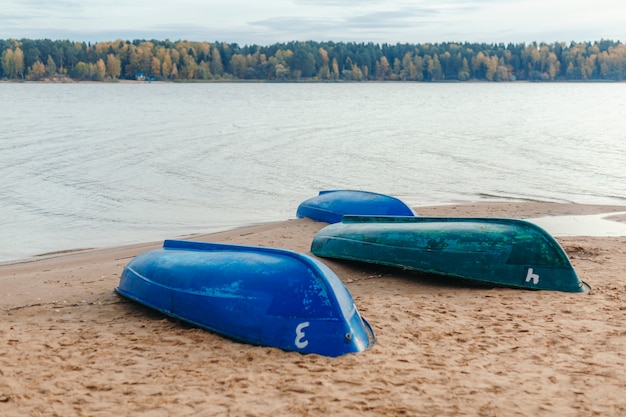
[(73, 347), (524, 209), (68, 80)]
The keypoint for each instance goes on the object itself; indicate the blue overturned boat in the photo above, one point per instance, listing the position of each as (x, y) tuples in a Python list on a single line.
[(257, 295), (331, 205), (504, 252)]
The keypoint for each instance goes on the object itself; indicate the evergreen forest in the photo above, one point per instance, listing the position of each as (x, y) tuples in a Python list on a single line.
[(167, 60)]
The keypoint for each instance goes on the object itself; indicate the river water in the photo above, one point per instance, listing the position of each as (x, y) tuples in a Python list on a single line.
[(95, 164)]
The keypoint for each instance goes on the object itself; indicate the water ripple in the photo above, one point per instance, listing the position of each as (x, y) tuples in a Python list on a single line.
[(87, 165)]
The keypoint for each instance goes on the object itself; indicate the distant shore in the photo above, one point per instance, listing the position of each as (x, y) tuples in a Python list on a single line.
[(236, 81)]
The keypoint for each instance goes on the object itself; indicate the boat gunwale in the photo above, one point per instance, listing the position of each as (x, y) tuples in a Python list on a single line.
[(365, 219)]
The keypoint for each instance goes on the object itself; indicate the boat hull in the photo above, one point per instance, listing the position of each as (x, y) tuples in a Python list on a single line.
[(262, 296), (331, 205), (504, 252)]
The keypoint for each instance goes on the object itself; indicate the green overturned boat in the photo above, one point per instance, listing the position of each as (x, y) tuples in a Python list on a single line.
[(504, 252)]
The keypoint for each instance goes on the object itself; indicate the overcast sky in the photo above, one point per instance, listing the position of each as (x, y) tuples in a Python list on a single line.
[(265, 22)]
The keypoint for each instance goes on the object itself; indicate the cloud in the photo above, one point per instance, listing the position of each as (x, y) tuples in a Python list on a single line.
[(379, 25), (251, 22), (390, 19), (338, 3)]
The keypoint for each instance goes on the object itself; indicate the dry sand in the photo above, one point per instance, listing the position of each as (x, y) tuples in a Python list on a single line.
[(70, 346)]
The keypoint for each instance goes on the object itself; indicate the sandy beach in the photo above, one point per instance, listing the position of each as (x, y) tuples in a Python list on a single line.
[(70, 346)]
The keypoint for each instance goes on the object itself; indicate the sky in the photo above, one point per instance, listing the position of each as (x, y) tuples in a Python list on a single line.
[(265, 22)]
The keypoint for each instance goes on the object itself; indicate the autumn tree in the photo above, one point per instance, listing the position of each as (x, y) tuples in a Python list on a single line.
[(502, 73), (531, 61), (479, 65), (155, 67), (174, 71), (51, 66), (433, 68), (99, 70), (383, 69), (190, 67), (204, 70), (238, 66), (334, 74), (408, 71), (81, 71), (588, 66), (113, 67), (324, 71), (166, 64), (612, 63), (280, 63), (551, 66), (8, 63), (18, 61), (356, 73), (216, 65), (418, 61), (492, 67), (13, 63), (37, 71)]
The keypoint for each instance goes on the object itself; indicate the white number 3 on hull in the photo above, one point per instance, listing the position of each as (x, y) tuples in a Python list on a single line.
[(301, 343)]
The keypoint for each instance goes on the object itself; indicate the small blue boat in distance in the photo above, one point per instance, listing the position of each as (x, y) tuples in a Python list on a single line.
[(257, 295), (331, 205)]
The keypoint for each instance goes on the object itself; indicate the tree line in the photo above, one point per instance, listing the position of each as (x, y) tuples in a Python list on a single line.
[(27, 59)]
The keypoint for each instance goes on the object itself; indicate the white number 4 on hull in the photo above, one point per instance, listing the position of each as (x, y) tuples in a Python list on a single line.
[(531, 276)]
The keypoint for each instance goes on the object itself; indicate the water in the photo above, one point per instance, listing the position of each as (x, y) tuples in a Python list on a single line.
[(91, 165), (582, 225)]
